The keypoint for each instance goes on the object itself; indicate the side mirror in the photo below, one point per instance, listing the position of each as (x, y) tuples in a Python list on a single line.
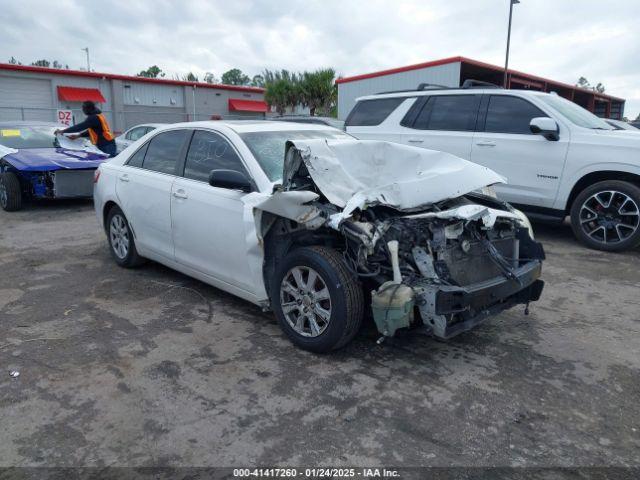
[(545, 126), (230, 179)]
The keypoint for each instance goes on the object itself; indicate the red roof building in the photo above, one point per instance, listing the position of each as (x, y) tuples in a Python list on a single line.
[(453, 71)]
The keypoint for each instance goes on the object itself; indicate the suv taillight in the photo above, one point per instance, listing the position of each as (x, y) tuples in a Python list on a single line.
[(96, 176)]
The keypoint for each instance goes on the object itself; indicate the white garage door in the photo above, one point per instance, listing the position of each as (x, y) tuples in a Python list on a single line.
[(25, 98)]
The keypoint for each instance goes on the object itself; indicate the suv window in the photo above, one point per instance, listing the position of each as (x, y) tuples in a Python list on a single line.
[(210, 151), (449, 112), (164, 151), (368, 113), (507, 114)]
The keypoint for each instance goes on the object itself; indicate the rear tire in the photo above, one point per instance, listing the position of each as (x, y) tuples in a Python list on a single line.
[(121, 242), (606, 216), (317, 300), (10, 192)]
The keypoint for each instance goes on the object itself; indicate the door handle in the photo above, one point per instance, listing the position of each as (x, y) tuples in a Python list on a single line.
[(415, 140), (486, 144), (124, 178), (180, 194)]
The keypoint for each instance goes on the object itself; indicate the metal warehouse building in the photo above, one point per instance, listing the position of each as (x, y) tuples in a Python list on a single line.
[(36, 93), (451, 72)]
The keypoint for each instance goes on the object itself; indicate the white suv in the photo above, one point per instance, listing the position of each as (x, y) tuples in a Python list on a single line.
[(558, 158)]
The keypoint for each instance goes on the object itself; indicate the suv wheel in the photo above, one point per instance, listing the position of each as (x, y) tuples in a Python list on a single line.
[(317, 300), (10, 192), (121, 242), (606, 216)]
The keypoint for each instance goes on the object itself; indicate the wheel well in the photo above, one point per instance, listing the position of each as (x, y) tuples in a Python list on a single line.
[(600, 176), (105, 211), (285, 235)]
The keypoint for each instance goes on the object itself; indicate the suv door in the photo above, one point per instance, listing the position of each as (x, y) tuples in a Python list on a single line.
[(442, 122), (144, 190), (208, 222), (531, 164)]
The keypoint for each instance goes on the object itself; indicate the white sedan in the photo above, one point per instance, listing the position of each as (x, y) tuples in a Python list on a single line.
[(133, 134), (303, 219)]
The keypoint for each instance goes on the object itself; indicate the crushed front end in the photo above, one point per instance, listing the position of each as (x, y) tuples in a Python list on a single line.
[(446, 269), (412, 226)]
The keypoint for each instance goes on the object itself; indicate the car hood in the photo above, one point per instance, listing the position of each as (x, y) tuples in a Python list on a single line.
[(354, 174), (48, 159)]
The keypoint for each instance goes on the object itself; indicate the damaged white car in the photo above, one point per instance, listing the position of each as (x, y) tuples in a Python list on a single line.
[(321, 228)]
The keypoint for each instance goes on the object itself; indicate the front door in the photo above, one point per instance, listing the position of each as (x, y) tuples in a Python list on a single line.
[(531, 164), (209, 228)]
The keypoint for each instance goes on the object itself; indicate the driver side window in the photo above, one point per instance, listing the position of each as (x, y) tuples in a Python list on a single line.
[(210, 151)]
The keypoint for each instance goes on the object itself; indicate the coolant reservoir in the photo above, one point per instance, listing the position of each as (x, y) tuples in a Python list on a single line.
[(392, 306)]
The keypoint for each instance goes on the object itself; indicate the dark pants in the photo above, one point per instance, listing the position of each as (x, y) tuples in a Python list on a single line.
[(108, 148)]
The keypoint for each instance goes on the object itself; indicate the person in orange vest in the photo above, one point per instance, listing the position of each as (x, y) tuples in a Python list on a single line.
[(95, 127)]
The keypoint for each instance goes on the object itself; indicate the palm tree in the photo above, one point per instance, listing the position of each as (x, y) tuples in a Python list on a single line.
[(318, 90)]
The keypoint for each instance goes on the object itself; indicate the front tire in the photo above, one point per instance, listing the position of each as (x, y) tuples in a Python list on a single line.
[(606, 216), (121, 242), (10, 192), (317, 300)]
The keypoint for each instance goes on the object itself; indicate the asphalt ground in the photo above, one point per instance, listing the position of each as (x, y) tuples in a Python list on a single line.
[(148, 367)]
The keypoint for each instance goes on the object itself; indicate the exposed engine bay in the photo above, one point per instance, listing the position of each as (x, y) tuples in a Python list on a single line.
[(443, 265)]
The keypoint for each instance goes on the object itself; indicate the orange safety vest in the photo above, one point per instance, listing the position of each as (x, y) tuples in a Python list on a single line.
[(106, 131)]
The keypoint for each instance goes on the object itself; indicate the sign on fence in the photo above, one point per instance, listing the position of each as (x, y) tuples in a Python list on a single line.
[(65, 117)]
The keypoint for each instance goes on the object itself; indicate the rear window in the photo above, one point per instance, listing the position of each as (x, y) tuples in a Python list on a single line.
[(367, 113)]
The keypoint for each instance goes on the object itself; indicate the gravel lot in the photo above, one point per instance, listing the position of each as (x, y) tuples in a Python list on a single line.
[(148, 367)]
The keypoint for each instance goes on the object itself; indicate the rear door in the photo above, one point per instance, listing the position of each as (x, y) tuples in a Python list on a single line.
[(144, 190), (531, 164), (208, 225), (443, 122)]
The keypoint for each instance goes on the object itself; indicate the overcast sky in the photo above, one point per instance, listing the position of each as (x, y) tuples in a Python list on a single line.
[(558, 39)]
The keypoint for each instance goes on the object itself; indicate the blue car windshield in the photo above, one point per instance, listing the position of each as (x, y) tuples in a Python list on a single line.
[(268, 147), (21, 136)]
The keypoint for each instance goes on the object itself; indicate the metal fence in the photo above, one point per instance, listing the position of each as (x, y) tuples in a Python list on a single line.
[(124, 120)]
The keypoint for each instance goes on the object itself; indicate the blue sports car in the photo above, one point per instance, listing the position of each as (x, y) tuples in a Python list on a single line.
[(33, 165)]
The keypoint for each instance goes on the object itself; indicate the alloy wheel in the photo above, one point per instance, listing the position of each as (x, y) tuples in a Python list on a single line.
[(119, 235), (609, 217), (305, 301)]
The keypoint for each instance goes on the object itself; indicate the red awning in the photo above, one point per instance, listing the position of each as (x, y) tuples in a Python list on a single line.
[(76, 94), (235, 104)]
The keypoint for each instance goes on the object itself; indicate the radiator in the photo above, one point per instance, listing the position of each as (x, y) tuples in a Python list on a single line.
[(73, 183)]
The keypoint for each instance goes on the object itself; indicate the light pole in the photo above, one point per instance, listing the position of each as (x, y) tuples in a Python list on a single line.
[(86, 49), (506, 60)]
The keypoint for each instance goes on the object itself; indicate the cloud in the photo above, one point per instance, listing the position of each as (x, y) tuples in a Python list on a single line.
[(560, 40)]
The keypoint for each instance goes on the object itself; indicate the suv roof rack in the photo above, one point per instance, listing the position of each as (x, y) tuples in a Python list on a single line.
[(470, 83), (428, 86)]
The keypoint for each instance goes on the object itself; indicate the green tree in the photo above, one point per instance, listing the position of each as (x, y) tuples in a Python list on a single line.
[(13, 61), (152, 72), (190, 77), (211, 78), (282, 89), (257, 81), (584, 83), (41, 63), (235, 77), (318, 90)]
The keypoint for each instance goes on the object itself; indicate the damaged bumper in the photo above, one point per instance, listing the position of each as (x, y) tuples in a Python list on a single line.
[(450, 310)]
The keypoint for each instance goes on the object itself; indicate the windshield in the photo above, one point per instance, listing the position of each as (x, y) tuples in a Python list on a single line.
[(268, 147), (22, 136), (575, 113)]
